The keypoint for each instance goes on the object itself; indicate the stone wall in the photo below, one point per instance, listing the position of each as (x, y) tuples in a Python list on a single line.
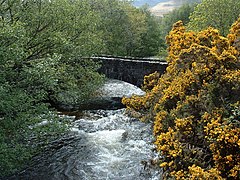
[(130, 70)]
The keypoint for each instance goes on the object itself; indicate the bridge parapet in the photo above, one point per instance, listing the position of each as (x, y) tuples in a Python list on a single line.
[(129, 70), (129, 58)]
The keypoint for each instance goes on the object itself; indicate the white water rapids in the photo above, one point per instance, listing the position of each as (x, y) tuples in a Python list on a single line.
[(102, 145)]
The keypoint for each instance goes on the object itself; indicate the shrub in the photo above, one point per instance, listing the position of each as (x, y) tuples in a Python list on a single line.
[(195, 105)]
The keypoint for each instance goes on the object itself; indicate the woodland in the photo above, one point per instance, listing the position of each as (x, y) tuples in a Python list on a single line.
[(195, 107)]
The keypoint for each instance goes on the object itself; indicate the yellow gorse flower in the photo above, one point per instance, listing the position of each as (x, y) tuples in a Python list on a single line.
[(195, 105)]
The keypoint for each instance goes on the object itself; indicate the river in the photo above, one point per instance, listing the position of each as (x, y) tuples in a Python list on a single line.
[(101, 145)]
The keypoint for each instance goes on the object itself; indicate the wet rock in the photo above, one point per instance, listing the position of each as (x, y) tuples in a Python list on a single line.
[(124, 136), (102, 103)]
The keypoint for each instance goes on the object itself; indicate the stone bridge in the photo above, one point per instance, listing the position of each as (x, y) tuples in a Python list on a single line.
[(130, 70)]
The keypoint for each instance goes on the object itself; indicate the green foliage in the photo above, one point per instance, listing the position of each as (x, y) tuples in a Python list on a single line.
[(150, 39), (57, 41), (195, 105), (179, 14), (143, 39), (182, 13), (113, 25), (219, 14), (18, 107), (44, 50), (127, 31), (41, 48)]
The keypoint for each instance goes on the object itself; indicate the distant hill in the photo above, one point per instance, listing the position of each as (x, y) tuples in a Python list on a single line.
[(164, 7), (151, 3), (161, 7)]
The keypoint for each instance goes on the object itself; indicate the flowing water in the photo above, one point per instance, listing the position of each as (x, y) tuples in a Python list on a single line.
[(101, 145)]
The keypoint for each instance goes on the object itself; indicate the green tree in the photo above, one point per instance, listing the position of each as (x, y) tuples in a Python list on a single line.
[(219, 14), (20, 109), (182, 13), (127, 30), (150, 39), (66, 29), (112, 24), (41, 48), (134, 29)]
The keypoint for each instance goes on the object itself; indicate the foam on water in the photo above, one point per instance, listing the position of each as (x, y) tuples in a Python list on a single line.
[(116, 88), (101, 145), (120, 144), (106, 144)]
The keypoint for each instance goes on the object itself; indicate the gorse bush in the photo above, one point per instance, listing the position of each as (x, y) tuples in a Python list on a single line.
[(195, 105)]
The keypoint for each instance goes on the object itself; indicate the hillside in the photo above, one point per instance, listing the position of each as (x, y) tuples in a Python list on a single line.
[(161, 7), (151, 3)]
